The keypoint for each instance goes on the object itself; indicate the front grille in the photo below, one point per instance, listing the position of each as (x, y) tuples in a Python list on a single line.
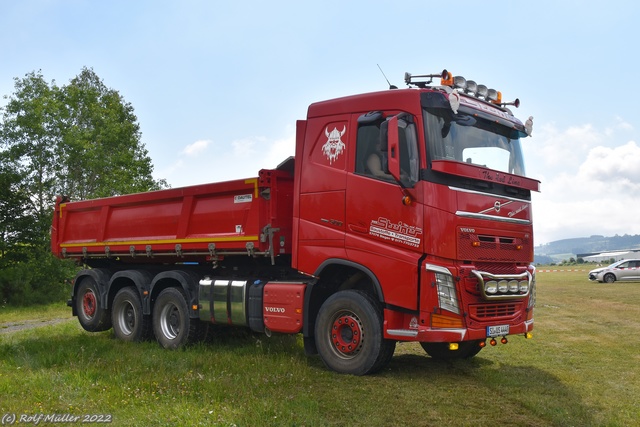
[(492, 311), (493, 248)]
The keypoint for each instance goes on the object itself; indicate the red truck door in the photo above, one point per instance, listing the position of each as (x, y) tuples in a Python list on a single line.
[(382, 233)]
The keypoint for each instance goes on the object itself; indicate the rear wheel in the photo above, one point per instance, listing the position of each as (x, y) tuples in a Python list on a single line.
[(129, 324), (609, 278), (172, 324), (92, 316), (440, 350), (349, 334)]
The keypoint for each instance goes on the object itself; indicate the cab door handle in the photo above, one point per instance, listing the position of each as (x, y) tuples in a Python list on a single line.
[(358, 228)]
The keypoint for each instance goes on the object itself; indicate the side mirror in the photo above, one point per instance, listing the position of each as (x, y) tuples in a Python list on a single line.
[(393, 148)]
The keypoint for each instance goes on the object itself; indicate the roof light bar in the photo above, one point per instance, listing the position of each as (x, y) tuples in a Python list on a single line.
[(463, 85)]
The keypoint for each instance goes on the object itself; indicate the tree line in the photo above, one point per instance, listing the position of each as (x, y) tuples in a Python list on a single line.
[(81, 140)]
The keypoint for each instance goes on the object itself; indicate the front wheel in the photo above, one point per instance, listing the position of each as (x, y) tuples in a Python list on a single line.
[(129, 324), (172, 324), (609, 278), (440, 350), (92, 317), (349, 335)]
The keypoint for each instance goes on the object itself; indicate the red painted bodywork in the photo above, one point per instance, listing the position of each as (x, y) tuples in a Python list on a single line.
[(283, 306), (322, 212), (229, 215)]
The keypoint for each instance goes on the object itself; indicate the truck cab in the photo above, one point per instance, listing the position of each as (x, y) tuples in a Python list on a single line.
[(418, 199)]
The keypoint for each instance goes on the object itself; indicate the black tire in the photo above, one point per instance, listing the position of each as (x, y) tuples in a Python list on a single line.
[(172, 325), (388, 348), (349, 335), (440, 350), (129, 324), (609, 278), (91, 315)]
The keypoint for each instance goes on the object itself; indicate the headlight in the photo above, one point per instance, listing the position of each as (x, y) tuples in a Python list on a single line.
[(447, 293)]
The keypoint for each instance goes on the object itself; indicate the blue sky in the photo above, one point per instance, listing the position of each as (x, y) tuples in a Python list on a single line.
[(217, 86)]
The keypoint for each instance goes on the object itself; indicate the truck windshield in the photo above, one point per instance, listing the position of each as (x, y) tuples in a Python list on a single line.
[(463, 137)]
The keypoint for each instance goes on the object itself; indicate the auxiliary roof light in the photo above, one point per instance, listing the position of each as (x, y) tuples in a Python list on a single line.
[(482, 91), (492, 95), (472, 87), (467, 86), (460, 82)]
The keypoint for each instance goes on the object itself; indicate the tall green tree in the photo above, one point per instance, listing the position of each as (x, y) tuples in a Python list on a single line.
[(100, 151), (81, 140), (30, 133)]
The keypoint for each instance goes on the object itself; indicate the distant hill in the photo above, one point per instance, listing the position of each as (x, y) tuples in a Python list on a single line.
[(566, 248)]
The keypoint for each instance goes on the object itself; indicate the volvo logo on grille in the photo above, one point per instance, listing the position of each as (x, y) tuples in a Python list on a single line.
[(496, 206)]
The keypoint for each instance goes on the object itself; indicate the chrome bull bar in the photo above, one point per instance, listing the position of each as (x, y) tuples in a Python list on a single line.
[(504, 286)]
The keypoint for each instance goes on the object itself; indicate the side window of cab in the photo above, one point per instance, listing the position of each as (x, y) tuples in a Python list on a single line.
[(371, 148), (370, 159)]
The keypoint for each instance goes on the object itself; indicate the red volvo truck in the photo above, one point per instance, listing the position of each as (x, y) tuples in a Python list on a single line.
[(404, 216)]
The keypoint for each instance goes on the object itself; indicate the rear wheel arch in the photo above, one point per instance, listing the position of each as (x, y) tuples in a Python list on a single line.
[(129, 322), (100, 277), (138, 279), (89, 303), (185, 281), (173, 326)]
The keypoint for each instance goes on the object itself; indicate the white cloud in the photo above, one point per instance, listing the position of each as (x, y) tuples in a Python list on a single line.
[(617, 167), (565, 147), (591, 187), (247, 147), (623, 125), (197, 147)]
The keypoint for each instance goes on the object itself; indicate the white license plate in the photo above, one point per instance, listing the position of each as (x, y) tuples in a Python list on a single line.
[(497, 331)]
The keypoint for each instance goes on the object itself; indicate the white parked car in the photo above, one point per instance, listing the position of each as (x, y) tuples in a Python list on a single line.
[(627, 269)]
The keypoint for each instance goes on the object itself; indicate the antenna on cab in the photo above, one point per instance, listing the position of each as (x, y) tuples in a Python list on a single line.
[(385, 77)]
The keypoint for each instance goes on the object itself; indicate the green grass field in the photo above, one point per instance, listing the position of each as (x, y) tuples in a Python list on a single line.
[(580, 369)]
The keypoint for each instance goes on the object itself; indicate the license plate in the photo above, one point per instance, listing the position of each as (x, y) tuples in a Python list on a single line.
[(497, 331)]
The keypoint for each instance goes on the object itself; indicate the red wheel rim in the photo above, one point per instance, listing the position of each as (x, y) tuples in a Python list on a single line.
[(89, 304), (346, 334)]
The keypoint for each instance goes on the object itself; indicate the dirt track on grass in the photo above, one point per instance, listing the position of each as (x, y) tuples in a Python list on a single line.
[(8, 327)]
